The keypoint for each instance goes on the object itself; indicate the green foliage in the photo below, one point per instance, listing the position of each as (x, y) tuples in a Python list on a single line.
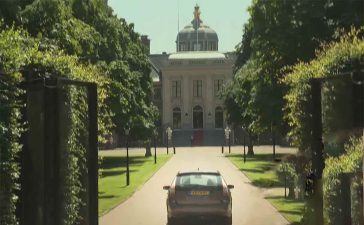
[(11, 128), (350, 162), (330, 60), (278, 35), (79, 40), (89, 30), (287, 174), (19, 51)]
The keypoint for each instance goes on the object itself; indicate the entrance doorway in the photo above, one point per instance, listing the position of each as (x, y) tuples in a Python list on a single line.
[(177, 118), (197, 117)]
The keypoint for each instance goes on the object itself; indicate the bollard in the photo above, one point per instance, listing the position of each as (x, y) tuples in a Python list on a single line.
[(222, 149), (174, 150)]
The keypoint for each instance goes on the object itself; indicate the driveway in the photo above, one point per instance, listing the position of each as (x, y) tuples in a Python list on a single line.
[(147, 206)]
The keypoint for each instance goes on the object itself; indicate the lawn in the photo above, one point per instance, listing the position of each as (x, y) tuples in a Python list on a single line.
[(291, 209), (260, 169), (112, 183)]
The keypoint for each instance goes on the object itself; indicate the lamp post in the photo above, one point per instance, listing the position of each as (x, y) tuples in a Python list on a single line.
[(155, 134), (273, 125), (127, 130), (244, 143), (227, 136), (169, 136)]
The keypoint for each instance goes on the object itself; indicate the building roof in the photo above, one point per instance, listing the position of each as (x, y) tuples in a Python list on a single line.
[(197, 55), (197, 30), (155, 72)]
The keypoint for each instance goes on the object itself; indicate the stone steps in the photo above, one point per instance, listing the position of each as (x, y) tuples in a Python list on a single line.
[(206, 137)]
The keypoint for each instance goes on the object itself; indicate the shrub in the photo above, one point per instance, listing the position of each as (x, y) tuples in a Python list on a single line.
[(287, 174)]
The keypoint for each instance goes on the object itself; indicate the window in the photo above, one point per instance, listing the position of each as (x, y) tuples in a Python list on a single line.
[(197, 88), (177, 118), (176, 88), (197, 117), (182, 47), (218, 87), (191, 181), (212, 46)]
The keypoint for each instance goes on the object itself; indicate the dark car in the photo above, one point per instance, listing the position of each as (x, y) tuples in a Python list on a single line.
[(199, 195)]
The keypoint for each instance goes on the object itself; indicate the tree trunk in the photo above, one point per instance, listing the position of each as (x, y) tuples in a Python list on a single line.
[(250, 146), (148, 150), (291, 192), (250, 149)]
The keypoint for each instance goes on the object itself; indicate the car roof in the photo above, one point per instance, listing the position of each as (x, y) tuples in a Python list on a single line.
[(198, 171)]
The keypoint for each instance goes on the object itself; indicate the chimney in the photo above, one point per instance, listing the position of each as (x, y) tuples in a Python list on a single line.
[(146, 42)]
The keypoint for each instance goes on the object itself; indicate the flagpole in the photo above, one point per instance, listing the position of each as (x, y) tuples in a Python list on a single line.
[(178, 49), (197, 48), (197, 26)]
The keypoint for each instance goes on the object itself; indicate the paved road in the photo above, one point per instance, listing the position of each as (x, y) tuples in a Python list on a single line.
[(147, 206)]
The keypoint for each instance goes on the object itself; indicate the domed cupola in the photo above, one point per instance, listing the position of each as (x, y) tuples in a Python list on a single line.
[(197, 36)]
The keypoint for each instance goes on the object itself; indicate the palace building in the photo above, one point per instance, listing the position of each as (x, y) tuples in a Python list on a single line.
[(187, 84)]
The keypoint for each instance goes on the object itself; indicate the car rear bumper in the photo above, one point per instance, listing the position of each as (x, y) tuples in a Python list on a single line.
[(203, 211)]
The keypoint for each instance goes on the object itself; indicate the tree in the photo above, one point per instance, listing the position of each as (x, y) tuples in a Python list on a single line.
[(278, 35), (89, 30)]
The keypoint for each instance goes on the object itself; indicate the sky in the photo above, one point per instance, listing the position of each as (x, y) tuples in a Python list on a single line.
[(159, 19)]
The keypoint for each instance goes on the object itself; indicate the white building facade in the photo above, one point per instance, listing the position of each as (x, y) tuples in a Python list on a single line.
[(189, 81)]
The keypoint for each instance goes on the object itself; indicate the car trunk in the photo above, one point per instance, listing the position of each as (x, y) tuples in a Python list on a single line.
[(199, 196)]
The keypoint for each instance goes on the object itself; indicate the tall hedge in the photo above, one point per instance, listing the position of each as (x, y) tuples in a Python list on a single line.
[(11, 59), (348, 163), (19, 52), (332, 59), (342, 138)]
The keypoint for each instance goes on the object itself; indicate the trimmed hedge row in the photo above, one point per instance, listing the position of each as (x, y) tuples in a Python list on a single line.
[(333, 58), (342, 139), (349, 164), (18, 51)]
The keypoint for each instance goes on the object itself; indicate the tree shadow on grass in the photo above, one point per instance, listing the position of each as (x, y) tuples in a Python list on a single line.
[(106, 196), (109, 173), (252, 170), (258, 157), (290, 200), (110, 162), (266, 183), (294, 211)]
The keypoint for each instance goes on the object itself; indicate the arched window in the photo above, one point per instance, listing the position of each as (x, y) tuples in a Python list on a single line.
[(177, 118), (219, 117), (197, 117)]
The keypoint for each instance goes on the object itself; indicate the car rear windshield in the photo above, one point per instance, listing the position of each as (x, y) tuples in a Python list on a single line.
[(199, 180)]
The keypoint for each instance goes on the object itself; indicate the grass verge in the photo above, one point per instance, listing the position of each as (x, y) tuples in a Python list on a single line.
[(291, 209), (261, 171), (112, 184)]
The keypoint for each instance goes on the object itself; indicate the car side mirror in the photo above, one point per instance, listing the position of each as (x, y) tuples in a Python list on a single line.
[(230, 186), (166, 187)]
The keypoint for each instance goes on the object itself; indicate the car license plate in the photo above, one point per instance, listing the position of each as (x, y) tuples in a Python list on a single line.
[(199, 193)]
